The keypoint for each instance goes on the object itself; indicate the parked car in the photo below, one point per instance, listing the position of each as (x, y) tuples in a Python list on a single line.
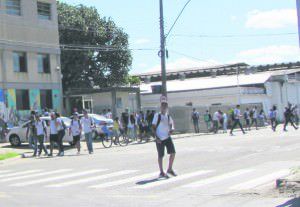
[(99, 121), (17, 135)]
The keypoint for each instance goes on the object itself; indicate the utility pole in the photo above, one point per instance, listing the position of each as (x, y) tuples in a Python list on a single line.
[(162, 52)]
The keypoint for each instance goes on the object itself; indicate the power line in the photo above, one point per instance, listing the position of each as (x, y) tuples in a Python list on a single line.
[(178, 18), (185, 55), (235, 35)]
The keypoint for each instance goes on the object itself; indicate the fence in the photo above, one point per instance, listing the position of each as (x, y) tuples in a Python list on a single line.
[(182, 115)]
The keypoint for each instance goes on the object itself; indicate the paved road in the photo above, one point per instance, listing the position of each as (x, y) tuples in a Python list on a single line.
[(214, 170)]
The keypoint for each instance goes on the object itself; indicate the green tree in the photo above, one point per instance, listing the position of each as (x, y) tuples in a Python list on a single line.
[(95, 50), (133, 80)]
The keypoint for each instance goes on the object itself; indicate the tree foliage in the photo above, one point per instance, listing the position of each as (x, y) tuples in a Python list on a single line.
[(95, 50)]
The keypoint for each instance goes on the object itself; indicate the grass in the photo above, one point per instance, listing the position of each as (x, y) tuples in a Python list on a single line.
[(8, 155)]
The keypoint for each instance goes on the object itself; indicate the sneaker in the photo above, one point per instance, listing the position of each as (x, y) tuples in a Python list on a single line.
[(50, 155), (171, 172)]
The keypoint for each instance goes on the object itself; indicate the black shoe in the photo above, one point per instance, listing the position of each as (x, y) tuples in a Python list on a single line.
[(163, 175), (171, 172)]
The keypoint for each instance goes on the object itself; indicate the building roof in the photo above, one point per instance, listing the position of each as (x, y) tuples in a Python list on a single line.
[(224, 81)]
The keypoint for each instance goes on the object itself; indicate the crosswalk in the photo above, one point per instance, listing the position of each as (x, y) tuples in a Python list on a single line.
[(132, 179)]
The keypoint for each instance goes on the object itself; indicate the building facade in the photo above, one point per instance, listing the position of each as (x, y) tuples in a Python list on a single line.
[(220, 87), (30, 73)]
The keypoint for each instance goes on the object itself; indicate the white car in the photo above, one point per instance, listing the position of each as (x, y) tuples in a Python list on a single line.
[(17, 135)]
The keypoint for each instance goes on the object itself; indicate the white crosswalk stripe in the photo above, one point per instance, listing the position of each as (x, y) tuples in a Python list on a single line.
[(34, 175), (219, 178), (124, 181), (174, 179), (4, 171), (20, 173), (260, 181), (45, 180), (86, 180)]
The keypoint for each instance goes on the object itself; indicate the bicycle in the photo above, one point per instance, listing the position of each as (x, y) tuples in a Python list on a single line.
[(118, 139)]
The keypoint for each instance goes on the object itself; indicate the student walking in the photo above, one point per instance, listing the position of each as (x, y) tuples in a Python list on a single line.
[(31, 130), (163, 127), (61, 127), (207, 120), (41, 135), (195, 119), (87, 126), (288, 115), (253, 116), (53, 132), (247, 119), (216, 119), (225, 122), (273, 118), (76, 130), (237, 116)]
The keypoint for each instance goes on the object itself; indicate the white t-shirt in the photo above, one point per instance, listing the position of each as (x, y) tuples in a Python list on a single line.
[(59, 127), (109, 115), (165, 126), (216, 116), (75, 127), (53, 129), (237, 113), (39, 125), (86, 124), (254, 114)]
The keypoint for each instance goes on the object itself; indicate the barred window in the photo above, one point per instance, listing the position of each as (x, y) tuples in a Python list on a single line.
[(44, 10), (13, 7), (43, 63), (46, 99), (19, 62), (22, 97)]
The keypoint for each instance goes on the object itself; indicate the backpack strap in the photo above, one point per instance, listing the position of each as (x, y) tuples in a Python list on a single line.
[(159, 119)]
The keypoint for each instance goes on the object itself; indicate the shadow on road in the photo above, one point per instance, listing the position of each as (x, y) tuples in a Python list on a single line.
[(295, 202), (145, 182)]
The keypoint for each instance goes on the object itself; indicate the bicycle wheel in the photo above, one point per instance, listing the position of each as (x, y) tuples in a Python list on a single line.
[(123, 140), (107, 142)]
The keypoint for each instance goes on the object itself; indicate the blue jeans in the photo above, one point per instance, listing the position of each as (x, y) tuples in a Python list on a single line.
[(89, 141)]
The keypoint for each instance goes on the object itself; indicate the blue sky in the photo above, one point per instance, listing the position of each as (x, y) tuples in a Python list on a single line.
[(254, 24)]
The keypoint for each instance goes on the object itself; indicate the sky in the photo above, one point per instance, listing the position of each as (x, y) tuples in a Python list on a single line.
[(209, 32)]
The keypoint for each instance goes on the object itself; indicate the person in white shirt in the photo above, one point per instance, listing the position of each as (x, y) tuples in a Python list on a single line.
[(61, 127), (41, 132), (216, 119), (225, 122), (109, 114), (254, 116), (237, 116), (53, 132), (163, 127), (75, 130), (87, 126)]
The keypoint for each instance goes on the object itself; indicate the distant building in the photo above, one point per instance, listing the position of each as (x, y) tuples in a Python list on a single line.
[(30, 72), (226, 85)]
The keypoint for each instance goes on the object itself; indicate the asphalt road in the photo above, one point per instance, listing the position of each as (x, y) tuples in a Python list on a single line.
[(213, 170)]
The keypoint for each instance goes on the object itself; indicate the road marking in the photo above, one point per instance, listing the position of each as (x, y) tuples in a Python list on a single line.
[(4, 171), (173, 179), (260, 181), (45, 180), (20, 173), (35, 175), (123, 181), (86, 180), (218, 178)]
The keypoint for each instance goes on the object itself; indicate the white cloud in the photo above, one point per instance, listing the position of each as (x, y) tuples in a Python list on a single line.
[(233, 18), (183, 63), (272, 19), (141, 41), (270, 54)]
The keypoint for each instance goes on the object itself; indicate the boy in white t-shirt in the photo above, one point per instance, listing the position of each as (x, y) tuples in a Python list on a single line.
[(75, 130), (41, 132), (87, 126), (163, 127)]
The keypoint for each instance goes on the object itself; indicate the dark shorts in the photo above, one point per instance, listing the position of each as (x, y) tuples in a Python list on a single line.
[(53, 137), (168, 143), (247, 121), (76, 139)]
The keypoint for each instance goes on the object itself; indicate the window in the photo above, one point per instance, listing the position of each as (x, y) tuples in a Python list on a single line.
[(156, 89), (46, 99), (43, 63), (13, 7), (19, 62), (44, 10), (22, 97)]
